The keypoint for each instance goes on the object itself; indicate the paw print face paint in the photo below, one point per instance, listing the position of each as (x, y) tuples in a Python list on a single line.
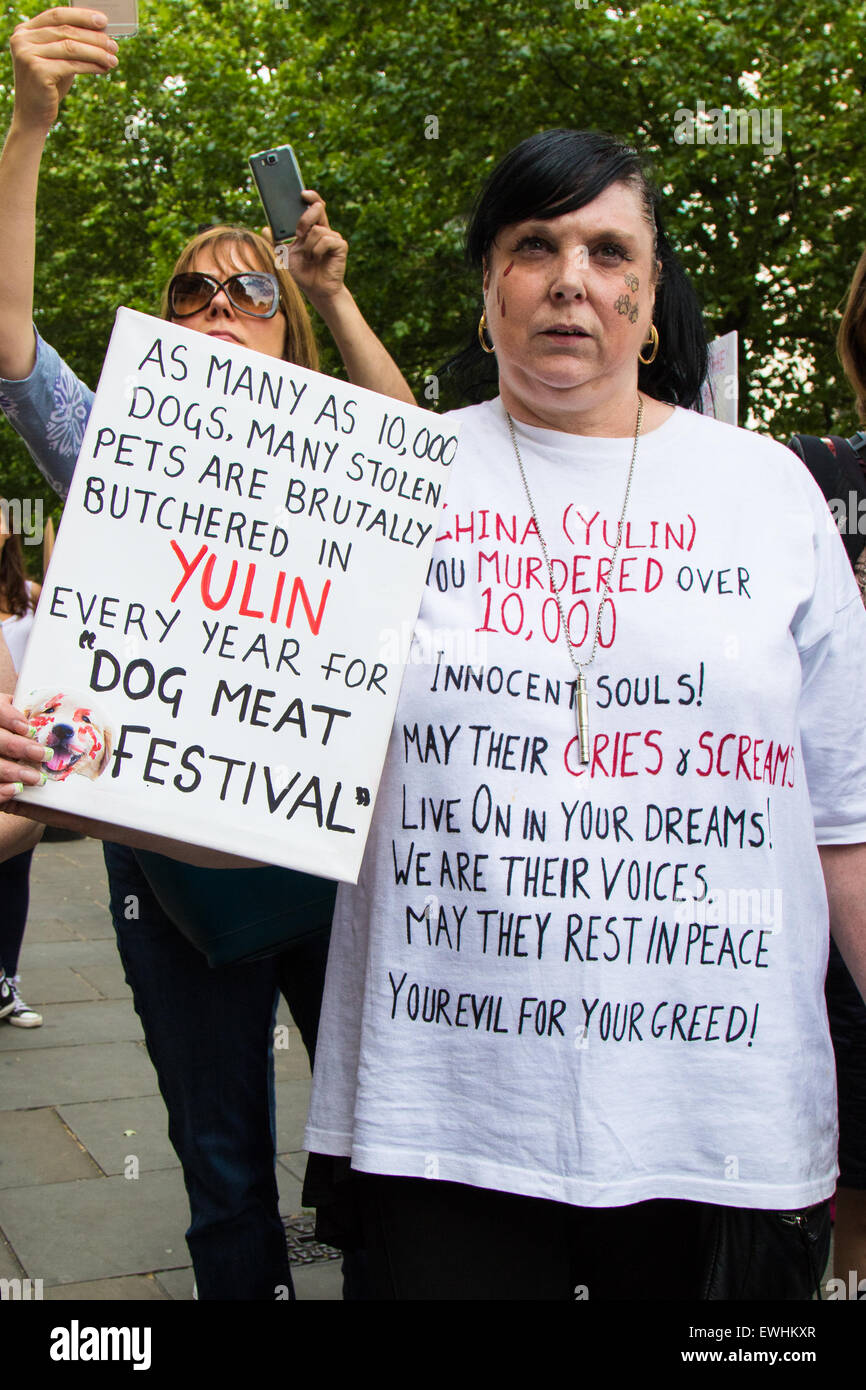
[(77, 733), (623, 304), (632, 282)]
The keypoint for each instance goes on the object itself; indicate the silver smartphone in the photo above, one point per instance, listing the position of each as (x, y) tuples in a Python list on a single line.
[(122, 17), (279, 182)]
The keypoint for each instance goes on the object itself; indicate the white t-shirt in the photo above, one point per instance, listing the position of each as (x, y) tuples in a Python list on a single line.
[(603, 985), (17, 631)]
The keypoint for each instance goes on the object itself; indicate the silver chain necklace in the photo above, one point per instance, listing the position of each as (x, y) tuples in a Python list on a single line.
[(582, 701)]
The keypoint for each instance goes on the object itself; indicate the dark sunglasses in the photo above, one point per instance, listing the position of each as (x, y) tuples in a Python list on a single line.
[(253, 292)]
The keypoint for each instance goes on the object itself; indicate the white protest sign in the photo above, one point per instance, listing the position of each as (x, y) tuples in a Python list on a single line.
[(221, 637), (720, 391)]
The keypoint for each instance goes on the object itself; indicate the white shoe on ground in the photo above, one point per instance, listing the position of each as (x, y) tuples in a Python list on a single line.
[(22, 1016), (7, 998)]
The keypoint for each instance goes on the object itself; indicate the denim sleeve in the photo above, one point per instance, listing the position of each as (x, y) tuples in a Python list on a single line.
[(49, 409)]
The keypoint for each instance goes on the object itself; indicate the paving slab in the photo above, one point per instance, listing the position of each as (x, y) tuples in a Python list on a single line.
[(291, 1062), (100, 1126), (293, 1100), (290, 1192), (138, 1288), (10, 1266), (36, 1077), (67, 1025), (62, 874), (59, 875), (108, 979), (80, 914), (56, 985), (74, 952), (47, 931), (101, 930), (85, 854), (75, 1232), (38, 1148), (294, 1163), (322, 1282), (177, 1283)]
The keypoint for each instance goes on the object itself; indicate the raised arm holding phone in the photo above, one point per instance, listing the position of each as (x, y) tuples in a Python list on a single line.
[(209, 1031)]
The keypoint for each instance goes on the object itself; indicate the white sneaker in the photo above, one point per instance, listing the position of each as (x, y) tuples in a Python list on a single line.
[(22, 1016), (7, 998)]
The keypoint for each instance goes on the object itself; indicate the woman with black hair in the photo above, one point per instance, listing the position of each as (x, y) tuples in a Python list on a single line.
[(573, 1040)]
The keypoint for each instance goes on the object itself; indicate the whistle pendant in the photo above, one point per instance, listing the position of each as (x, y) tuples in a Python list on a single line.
[(582, 717)]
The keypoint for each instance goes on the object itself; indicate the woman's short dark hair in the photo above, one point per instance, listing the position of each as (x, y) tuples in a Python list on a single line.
[(556, 172)]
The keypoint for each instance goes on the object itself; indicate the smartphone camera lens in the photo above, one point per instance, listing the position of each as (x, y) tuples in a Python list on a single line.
[(270, 159)]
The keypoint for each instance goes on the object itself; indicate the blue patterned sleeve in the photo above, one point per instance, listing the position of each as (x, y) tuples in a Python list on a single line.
[(49, 409)]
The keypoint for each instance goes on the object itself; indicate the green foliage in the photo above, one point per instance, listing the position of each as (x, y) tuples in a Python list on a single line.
[(138, 159)]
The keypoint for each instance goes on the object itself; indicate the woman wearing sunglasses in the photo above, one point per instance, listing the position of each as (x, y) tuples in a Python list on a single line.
[(209, 1031)]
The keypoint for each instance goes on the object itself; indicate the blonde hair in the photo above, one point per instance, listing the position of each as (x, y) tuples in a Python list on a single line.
[(300, 343), (851, 338)]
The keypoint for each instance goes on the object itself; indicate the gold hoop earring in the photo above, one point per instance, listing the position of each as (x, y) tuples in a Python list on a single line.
[(482, 329), (654, 339)]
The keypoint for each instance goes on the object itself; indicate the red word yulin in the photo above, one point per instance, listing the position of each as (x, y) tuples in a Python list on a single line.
[(245, 610)]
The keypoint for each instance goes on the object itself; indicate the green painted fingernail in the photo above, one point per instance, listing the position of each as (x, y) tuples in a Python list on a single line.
[(19, 786), (32, 731), (43, 778)]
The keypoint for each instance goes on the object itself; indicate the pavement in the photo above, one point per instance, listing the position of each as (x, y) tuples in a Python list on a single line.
[(92, 1201)]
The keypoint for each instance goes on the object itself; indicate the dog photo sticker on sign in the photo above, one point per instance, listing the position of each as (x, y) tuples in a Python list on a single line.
[(221, 638), (78, 734)]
